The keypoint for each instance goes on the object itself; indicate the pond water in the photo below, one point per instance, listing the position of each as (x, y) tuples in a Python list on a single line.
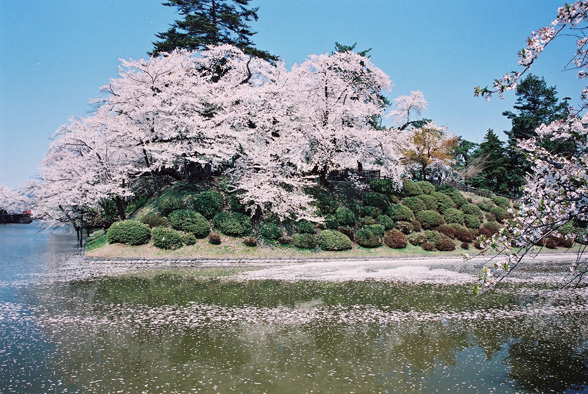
[(63, 330)]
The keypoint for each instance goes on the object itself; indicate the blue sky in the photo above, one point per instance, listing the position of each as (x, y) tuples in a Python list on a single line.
[(57, 53)]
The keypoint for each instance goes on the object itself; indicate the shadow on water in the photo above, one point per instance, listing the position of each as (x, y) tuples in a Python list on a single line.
[(175, 333)]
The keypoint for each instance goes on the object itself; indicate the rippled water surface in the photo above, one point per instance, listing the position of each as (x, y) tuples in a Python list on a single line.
[(65, 329)]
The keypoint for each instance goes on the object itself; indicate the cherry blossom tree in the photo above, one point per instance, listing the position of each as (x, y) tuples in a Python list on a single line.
[(407, 109), (13, 201), (555, 201)]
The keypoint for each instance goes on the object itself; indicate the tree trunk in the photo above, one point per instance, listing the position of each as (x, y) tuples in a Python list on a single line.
[(121, 206)]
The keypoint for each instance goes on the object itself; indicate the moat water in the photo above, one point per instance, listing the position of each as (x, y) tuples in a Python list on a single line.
[(63, 330)]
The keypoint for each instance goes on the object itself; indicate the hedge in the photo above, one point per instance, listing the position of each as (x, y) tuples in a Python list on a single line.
[(304, 241), (395, 239), (190, 221), (399, 212), (130, 232), (208, 203), (368, 238), (345, 216), (166, 238), (429, 219), (232, 223), (333, 240)]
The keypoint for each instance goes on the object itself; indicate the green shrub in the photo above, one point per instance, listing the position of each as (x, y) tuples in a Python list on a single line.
[(447, 230), (190, 221), (376, 228), (331, 222), (429, 219), (285, 240), (188, 239), (433, 236), (368, 238), (305, 227), (453, 215), (395, 239), (168, 203), (416, 225), (367, 222), (385, 221), (428, 246), (208, 203), (399, 212), (493, 227), (446, 188), (345, 216), (457, 197), (326, 203), (471, 209), (410, 188), (166, 238), (415, 204), (369, 211), (462, 233), (250, 241), (444, 202), (377, 200), (404, 227), (154, 220), (502, 202), (426, 187), (333, 240), (347, 231), (232, 223), (472, 221), (486, 205), (270, 231), (304, 241), (130, 232), (429, 201), (417, 239), (499, 213), (445, 245), (235, 204), (214, 239), (385, 186)]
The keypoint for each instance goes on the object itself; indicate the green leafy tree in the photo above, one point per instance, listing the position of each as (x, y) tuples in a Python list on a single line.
[(536, 104), (210, 22), (492, 154)]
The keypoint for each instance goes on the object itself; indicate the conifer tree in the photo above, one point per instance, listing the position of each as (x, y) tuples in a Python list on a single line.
[(210, 22), (491, 154)]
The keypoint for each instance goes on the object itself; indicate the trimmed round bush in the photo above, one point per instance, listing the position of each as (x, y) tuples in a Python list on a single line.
[(493, 227), (376, 228), (169, 203), (502, 202), (154, 220), (426, 187), (235, 204), (444, 202), (453, 215), (369, 211), (399, 212), (304, 241), (214, 239), (465, 245), (472, 221), (385, 186), (433, 236), (285, 240), (385, 221), (395, 239), (499, 213), (331, 222), (232, 223), (326, 203), (486, 205), (410, 188), (130, 232), (462, 233), (250, 241), (188, 239), (270, 231), (447, 230), (347, 231), (429, 219), (445, 245), (190, 221), (208, 203), (428, 246), (415, 204), (368, 238), (305, 227), (416, 225), (417, 239), (333, 240), (404, 227), (457, 197), (471, 209), (429, 201), (166, 238), (345, 216), (367, 222), (377, 200)]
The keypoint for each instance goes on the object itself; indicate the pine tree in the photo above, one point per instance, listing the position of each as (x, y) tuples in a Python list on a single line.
[(210, 22), (492, 154)]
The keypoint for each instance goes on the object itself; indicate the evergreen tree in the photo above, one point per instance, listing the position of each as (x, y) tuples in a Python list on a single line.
[(492, 154), (210, 22), (536, 104)]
